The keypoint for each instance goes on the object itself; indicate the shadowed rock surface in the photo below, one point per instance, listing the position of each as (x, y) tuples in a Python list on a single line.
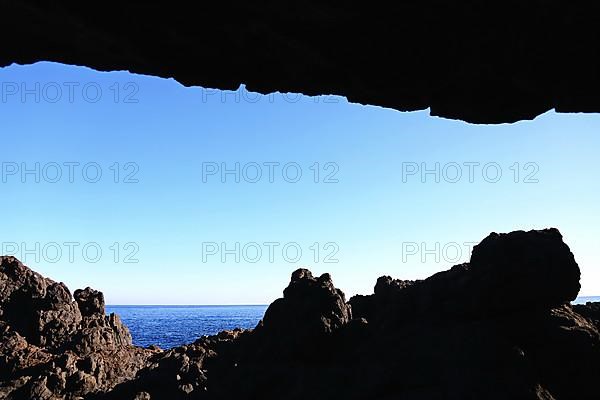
[(52, 347), (498, 327), (484, 62)]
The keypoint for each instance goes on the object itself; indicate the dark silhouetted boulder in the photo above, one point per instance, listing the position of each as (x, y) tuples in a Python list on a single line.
[(535, 267), (310, 309), (310, 306), (507, 272), (589, 310), (90, 301), (499, 327)]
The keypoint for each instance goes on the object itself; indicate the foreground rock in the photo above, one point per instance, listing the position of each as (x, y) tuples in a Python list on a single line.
[(54, 347), (499, 327)]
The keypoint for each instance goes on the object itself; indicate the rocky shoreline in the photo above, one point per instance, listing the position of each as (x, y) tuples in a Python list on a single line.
[(498, 327)]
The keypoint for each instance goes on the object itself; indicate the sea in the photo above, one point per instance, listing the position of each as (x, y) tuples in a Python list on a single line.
[(585, 299), (172, 326)]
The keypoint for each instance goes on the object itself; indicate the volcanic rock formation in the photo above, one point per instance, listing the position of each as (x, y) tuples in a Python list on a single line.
[(498, 327), (52, 347), (484, 62)]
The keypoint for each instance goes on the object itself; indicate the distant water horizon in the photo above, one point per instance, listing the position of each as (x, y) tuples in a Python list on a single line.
[(172, 325), (585, 299), (184, 305), (578, 300), (169, 326)]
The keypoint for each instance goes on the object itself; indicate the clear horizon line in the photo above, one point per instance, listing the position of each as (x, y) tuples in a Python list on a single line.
[(186, 305), (237, 305)]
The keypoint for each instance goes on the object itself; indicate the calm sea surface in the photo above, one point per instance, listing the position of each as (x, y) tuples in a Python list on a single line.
[(171, 326), (585, 299)]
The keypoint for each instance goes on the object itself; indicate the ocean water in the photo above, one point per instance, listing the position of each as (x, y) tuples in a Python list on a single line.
[(171, 326), (585, 299)]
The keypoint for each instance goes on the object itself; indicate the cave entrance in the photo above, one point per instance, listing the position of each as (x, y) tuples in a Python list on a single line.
[(200, 196)]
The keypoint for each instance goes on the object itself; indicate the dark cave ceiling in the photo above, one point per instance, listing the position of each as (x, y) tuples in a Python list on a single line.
[(481, 62)]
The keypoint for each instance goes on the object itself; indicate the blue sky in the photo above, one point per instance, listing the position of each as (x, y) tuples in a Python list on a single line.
[(162, 225)]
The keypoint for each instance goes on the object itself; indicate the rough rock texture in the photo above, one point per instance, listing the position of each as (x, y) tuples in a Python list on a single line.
[(52, 347), (498, 327), (90, 301), (507, 272), (97, 331), (39, 309), (484, 62), (310, 309), (589, 310)]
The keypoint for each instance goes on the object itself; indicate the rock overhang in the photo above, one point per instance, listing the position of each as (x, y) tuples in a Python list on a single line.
[(481, 63)]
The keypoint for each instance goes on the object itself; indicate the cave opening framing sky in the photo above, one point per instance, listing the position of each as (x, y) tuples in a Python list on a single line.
[(159, 194)]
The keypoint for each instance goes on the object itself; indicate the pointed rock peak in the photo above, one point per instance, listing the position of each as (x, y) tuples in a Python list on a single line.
[(90, 301), (301, 273)]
